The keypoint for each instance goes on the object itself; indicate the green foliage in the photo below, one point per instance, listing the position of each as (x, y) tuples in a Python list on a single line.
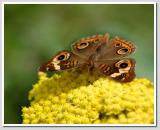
[(33, 33)]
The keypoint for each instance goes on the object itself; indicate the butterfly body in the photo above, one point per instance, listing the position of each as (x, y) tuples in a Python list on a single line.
[(107, 56)]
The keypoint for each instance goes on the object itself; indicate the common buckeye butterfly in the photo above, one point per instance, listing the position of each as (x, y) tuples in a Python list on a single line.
[(98, 51)]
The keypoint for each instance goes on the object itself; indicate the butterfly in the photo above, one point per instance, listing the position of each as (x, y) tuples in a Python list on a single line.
[(108, 56)]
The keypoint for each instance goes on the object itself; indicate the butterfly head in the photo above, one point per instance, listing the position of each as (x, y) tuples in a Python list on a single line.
[(54, 63)]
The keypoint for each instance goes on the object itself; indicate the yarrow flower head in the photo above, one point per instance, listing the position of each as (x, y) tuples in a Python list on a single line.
[(81, 97)]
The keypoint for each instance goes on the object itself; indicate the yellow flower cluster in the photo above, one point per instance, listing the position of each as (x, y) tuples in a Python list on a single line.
[(80, 97)]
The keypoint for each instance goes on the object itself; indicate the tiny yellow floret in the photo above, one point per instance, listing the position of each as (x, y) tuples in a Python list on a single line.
[(82, 97)]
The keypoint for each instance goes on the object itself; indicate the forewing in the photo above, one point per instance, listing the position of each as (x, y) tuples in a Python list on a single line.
[(121, 70), (62, 61)]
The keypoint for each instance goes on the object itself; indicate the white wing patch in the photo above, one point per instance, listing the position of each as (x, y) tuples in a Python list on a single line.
[(121, 71)]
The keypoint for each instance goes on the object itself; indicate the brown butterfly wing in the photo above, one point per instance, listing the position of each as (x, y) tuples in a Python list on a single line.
[(116, 48), (88, 46), (62, 61), (121, 70)]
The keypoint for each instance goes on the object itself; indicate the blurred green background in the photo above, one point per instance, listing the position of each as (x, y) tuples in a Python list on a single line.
[(34, 33)]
